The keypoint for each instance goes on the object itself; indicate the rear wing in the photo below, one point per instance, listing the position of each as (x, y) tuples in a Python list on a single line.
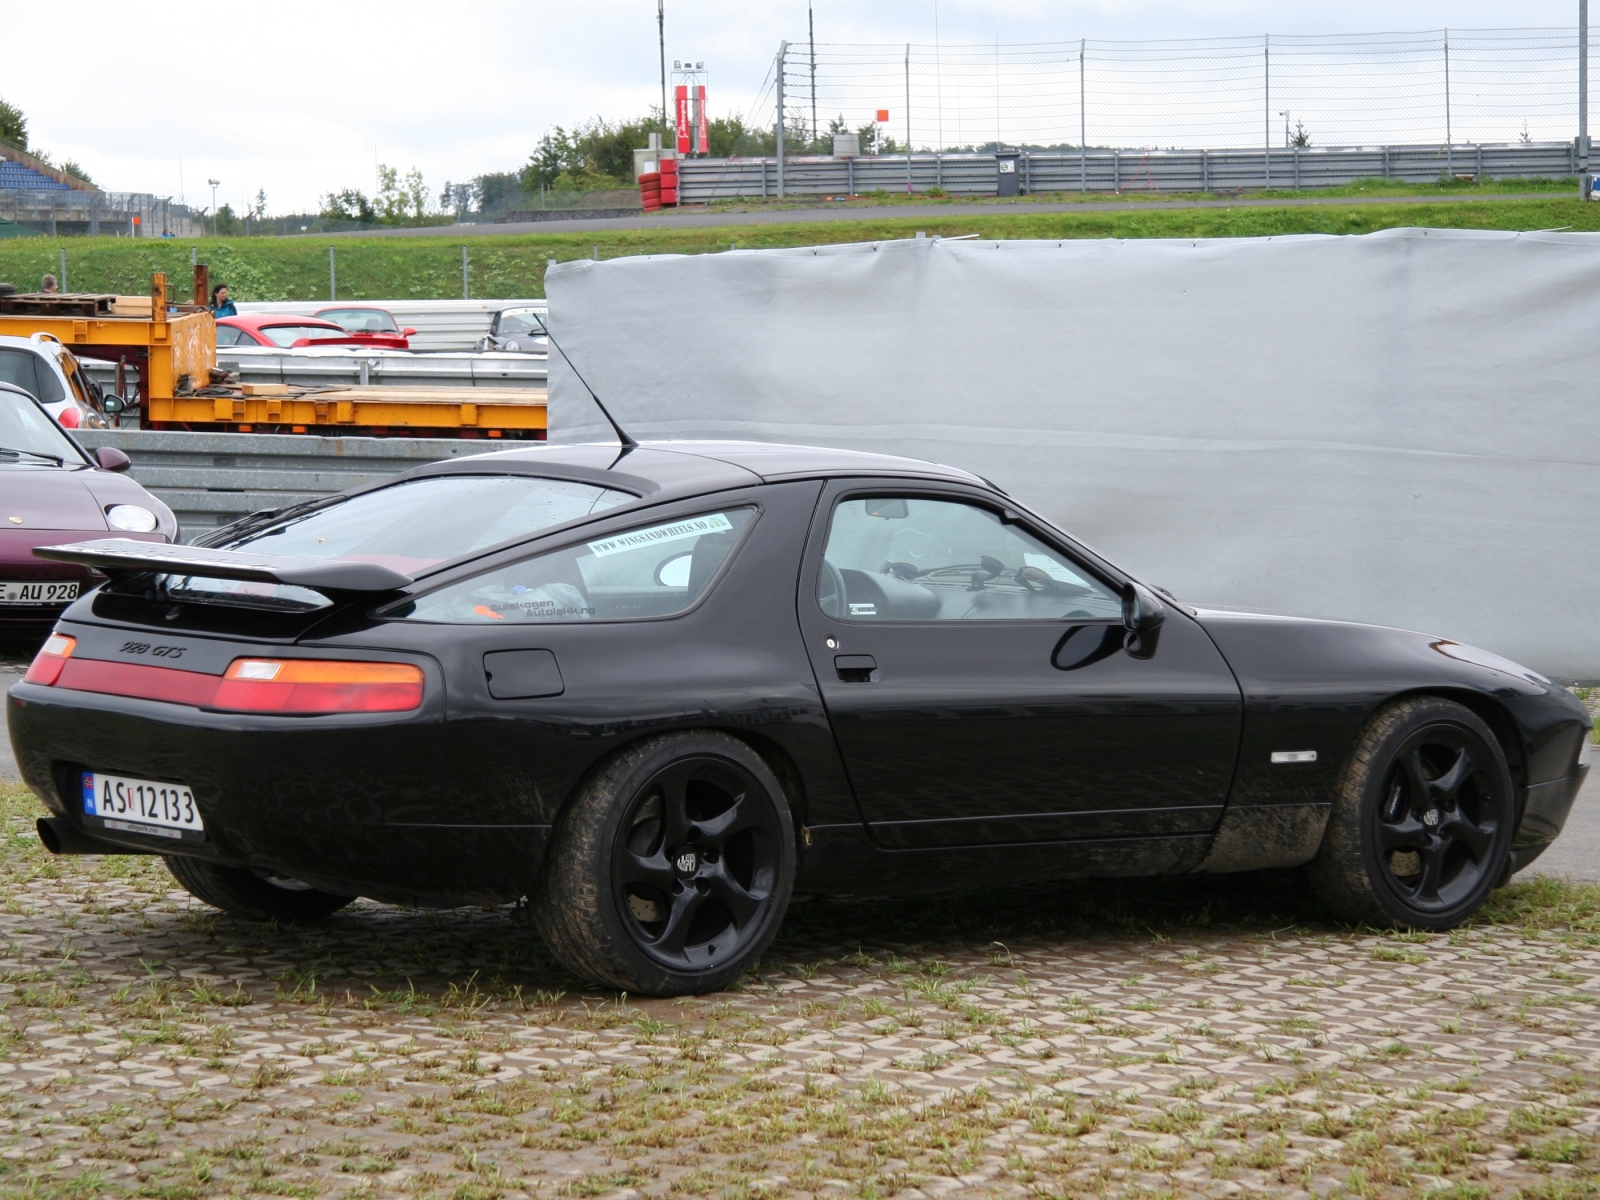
[(125, 556)]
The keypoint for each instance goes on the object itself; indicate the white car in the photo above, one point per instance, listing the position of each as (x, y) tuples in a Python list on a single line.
[(47, 371), (519, 330)]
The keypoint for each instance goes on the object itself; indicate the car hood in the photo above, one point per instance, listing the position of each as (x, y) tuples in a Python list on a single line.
[(45, 497)]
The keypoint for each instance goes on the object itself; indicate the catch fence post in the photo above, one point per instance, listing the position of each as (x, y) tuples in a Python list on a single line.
[(783, 50), (333, 282), (466, 290), (1266, 67), (1083, 121), (61, 284), (1449, 157)]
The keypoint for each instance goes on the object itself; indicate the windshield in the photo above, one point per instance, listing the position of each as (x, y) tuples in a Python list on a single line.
[(410, 526), (361, 320), (24, 427), (288, 335), (517, 321)]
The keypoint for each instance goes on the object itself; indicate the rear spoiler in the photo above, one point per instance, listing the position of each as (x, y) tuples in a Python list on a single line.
[(125, 556)]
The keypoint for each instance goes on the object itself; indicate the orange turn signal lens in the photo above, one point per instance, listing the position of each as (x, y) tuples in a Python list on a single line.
[(52, 656), (318, 685)]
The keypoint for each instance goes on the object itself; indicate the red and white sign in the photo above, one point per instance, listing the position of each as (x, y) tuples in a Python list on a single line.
[(701, 133), (681, 104)]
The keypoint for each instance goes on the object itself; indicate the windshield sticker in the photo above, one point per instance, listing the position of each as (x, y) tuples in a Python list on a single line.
[(714, 523)]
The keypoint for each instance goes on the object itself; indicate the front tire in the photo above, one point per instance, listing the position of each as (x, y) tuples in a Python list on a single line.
[(1422, 819), (244, 894), (671, 871)]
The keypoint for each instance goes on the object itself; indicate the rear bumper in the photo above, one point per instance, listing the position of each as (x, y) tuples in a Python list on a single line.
[(356, 804)]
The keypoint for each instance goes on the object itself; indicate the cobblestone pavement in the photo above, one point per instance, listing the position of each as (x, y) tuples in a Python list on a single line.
[(1188, 1037)]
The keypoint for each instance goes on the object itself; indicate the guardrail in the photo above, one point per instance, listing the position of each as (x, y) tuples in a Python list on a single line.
[(345, 367), (440, 324), (210, 479), (1104, 170)]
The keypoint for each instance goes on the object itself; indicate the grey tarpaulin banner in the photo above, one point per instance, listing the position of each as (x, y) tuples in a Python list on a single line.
[(1401, 428)]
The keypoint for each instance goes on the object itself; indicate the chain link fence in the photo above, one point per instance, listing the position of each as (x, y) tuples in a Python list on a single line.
[(275, 269), (1442, 85)]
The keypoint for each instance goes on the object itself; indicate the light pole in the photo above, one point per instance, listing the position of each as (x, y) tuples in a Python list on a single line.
[(1285, 115), (661, 39), (215, 228)]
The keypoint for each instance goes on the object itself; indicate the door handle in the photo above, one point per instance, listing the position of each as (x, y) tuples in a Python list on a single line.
[(856, 668)]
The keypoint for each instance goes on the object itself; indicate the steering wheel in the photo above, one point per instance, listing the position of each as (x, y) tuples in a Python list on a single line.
[(830, 591)]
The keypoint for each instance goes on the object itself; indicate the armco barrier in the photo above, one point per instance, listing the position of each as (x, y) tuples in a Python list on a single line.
[(344, 368), (440, 324), (1107, 170), (209, 479)]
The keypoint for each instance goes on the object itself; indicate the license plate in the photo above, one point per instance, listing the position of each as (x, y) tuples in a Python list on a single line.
[(40, 592), (141, 805)]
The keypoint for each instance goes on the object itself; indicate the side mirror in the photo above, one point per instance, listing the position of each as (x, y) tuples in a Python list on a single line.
[(1142, 615), (408, 332), (112, 405), (112, 459)]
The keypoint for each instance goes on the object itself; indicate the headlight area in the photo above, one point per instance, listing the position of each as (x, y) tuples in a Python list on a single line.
[(288, 686), (131, 518)]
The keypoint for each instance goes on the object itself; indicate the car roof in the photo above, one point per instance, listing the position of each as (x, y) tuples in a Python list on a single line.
[(662, 470), (354, 308), (264, 320), (46, 344)]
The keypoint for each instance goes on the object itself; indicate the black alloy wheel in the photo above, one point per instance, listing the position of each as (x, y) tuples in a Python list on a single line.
[(1436, 826), (1421, 821), (671, 872)]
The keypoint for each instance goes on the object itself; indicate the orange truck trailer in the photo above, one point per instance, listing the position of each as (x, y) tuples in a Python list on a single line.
[(173, 350)]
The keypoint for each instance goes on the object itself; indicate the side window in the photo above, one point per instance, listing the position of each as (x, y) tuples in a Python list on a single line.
[(227, 335), (902, 558), (652, 571), (18, 367)]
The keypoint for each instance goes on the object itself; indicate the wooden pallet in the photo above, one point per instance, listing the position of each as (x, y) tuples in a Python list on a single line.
[(61, 304)]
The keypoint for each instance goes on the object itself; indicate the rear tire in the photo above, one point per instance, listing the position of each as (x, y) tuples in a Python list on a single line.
[(1422, 819), (670, 873), (244, 894)]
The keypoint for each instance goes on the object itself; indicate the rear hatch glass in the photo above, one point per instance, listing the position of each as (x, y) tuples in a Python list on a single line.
[(410, 526)]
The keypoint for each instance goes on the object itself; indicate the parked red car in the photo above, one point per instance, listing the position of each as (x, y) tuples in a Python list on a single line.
[(362, 319), (284, 331)]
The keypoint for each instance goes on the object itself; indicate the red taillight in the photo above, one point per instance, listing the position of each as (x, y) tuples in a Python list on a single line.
[(313, 685), (52, 656), (70, 418), (260, 685)]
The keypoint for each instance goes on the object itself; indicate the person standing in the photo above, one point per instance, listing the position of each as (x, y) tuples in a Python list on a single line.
[(47, 285), (221, 306)]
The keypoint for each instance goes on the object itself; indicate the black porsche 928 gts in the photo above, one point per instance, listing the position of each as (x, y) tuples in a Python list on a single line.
[(656, 693)]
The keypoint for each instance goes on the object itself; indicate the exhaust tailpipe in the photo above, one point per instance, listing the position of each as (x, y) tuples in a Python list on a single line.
[(59, 837)]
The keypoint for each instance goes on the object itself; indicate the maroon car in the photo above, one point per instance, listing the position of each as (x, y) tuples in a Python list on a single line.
[(53, 491)]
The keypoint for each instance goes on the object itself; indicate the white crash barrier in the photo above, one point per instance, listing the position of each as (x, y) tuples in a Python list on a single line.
[(1397, 428)]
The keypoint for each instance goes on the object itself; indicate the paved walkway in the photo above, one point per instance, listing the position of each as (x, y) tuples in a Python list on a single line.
[(699, 218), (1193, 1038)]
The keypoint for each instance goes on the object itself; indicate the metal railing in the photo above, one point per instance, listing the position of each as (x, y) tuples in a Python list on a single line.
[(440, 324), (1113, 170), (210, 479)]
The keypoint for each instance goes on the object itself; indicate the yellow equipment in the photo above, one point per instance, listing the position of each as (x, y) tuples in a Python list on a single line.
[(174, 350)]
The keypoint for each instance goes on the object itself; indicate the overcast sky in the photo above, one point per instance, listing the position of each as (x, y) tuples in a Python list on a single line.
[(301, 98)]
